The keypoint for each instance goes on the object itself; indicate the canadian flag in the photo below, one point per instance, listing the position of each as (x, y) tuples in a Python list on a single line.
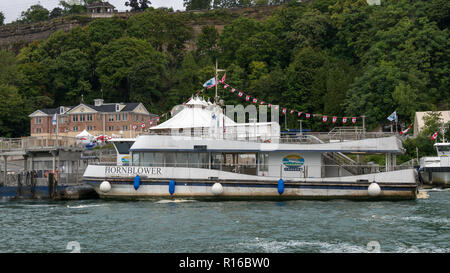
[(308, 115), (225, 86), (353, 120), (247, 98), (143, 125), (223, 79), (135, 127), (269, 105), (344, 120), (299, 114), (240, 94), (406, 130), (232, 90), (151, 122), (255, 100), (261, 103), (435, 135), (324, 118), (334, 119), (284, 110), (292, 111)]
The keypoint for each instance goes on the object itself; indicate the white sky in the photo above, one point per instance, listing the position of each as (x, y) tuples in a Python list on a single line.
[(13, 8)]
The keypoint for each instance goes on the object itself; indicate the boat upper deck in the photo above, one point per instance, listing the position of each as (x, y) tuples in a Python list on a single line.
[(304, 143)]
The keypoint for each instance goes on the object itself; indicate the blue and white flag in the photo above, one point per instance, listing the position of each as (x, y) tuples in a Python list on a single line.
[(54, 119), (210, 83), (393, 116)]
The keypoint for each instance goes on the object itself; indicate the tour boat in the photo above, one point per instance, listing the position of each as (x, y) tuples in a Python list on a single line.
[(201, 153), (435, 171)]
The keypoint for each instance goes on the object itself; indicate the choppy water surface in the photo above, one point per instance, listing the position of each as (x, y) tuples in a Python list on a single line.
[(193, 226)]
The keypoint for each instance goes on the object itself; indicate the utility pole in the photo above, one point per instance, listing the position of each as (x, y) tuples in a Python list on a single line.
[(57, 128)]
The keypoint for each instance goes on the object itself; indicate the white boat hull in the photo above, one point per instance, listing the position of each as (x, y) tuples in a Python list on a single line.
[(393, 185), (436, 177)]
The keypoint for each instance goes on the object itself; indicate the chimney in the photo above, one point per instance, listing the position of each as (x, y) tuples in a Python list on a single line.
[(98, 102)]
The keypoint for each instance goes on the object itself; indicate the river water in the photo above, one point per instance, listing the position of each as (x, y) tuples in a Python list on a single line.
[(198, 226)]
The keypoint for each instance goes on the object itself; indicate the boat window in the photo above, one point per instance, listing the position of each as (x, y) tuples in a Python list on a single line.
[(123, 147), (443, 148), (170, 159), (136, 156), (203, 160), (154, 159), (216, 160), (193, 160), (263, 162), (181, 159)]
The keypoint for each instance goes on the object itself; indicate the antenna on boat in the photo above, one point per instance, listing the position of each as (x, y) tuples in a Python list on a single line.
[(216, 98), (443, 129)]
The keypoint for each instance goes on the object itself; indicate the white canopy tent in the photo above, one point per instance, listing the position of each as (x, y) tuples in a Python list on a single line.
[(84, 134), (201, 118), (85, 137), (196, 114)]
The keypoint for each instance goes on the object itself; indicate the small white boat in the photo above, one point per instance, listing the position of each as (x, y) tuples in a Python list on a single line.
[(435, 171), (207, 156)]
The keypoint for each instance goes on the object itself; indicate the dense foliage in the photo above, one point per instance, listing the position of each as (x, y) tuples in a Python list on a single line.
[(336, 57)]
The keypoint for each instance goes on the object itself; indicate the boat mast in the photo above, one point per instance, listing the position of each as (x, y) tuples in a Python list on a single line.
[(216, 98)]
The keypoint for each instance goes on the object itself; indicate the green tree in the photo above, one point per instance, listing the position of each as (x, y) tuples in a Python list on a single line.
[(312, 29), (138, 5), (105, 30), (207, 42), (55, 13), (197, 4), (116, 62), (13, 119), (164, 30), (71, 74), (8, 67), (69, 8), (371, 94), (2, 18), (35, 13), (234, 34)]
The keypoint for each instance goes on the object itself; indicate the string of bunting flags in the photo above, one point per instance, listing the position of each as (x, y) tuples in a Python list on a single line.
[(248, 98), (285, 110)]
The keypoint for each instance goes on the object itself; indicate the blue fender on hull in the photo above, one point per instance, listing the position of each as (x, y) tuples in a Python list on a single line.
[(171, 187), (280, 186), (137, 182)]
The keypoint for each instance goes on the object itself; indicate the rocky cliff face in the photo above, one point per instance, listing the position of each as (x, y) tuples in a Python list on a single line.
[(16, 36)]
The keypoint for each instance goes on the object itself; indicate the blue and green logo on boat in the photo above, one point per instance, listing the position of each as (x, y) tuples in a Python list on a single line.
[(293, 162)]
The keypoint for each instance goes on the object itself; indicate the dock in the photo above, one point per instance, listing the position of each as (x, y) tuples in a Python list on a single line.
[(46, 162)]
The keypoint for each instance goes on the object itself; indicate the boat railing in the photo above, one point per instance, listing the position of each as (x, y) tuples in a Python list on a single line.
[(297, 138), (38, 142), (281, 170)]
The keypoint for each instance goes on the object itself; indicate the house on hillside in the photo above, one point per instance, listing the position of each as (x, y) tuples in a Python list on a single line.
[(100, 9), (101, 118)]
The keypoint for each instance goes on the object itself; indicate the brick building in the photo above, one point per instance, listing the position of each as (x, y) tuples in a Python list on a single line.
[(100, 118)]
